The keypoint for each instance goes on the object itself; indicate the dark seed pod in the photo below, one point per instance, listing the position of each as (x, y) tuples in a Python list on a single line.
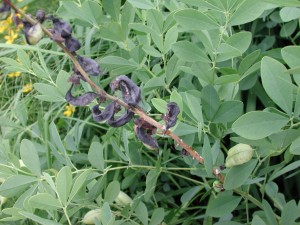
[(131, 93), (33, 33), (171, 115), (122, 120), (75, 79), (106, 114), (40, 15), (146, 138), (143, 131), (4, 11), (17, 20), (80, 100), (145, 125), (72, 44), (61, 27), (89, 65)]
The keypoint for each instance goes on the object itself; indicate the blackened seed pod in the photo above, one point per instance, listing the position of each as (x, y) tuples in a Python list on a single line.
[(131, 93), (106, 114), (72, 44), (40, 15), (4, 10), (80, 100), (122, 120), (61, 27), (171, 115), (146, 138), (89, 65)]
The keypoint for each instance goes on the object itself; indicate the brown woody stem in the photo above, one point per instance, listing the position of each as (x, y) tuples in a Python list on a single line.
[(101, 92)]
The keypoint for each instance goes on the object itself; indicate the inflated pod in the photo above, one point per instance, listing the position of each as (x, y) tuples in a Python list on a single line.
[(239, 154), (123, 199), (91, 216)]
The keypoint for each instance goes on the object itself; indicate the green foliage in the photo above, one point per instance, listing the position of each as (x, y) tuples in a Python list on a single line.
[(231, 66)]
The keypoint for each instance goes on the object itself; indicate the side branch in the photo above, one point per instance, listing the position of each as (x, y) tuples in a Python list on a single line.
[(101, 92)]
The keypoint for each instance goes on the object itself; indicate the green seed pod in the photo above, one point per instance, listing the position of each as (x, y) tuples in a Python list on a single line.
[(123, 199), (239, 154), (33, 33), (218, 186), (91, 216)]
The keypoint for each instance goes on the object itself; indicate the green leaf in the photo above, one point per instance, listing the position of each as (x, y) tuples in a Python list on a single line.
[(116, 62), (107, 217), (228, 111), (240, 41), (226, 79), (170, 38), (295, 147), (269, 213), (248, 61), (118, 150), (50, 91), (14, 185), (112, 31), (89, 11), (284, 170), (142, 4), (62, 82), (183, 129), (112, 8), (191, 19), (188, 195), (56, 141), (290, 55), (289, 13), (151, 184), (207, 155), (159, 104), (226, 51), (194, 104), (155, 20), (30, 156), (210, 101), (189, 52), (24, 58), (95, 155), (247, 11), (289, 213), (256, 125), (63, 184), (157, 216), (237, 175), (38, 219), (227, 223), (112, 191), (257, 221), (277, 84), (222, 205), (44, 201), (142, 213), (78, 184)]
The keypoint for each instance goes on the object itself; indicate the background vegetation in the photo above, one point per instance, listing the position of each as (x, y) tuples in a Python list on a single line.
[(232, 67)]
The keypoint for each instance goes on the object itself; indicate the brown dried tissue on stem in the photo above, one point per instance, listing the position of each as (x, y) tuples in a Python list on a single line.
[(102, 93)]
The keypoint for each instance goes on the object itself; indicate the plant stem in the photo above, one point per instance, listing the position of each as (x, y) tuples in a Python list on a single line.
[(102, 93)]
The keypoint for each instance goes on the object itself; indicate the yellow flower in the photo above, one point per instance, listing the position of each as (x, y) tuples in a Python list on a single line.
[(4, 25), (27, 88), (69, 110), (14, 74), (20, 0), (10, 37)]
